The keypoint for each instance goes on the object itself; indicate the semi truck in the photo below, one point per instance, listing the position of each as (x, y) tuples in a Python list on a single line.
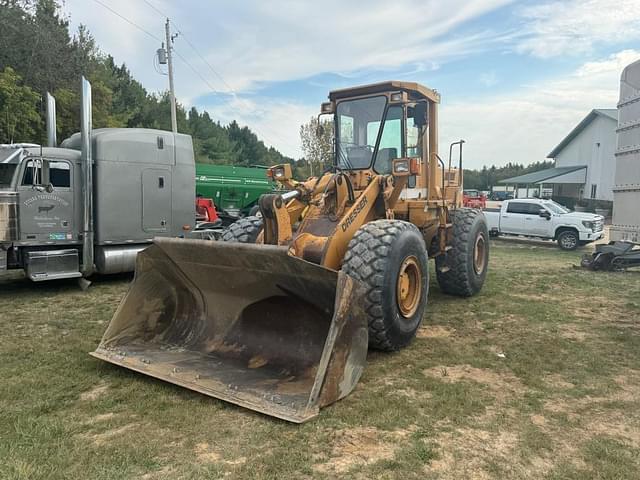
[(91, 204)]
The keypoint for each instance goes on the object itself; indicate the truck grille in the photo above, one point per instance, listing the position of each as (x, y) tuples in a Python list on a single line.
[(598, 226)]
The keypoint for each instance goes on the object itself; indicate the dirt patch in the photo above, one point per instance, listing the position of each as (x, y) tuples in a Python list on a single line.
[(102, 438), (538, 420), (468, 453), (616, 426), (412, 394), (360, 446), (435, 331), (571, 331), (164, 472), (95, 392), (205, 454), (103, 417), (498, 382), (558, 382)]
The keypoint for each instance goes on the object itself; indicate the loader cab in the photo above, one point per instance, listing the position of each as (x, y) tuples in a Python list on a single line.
[(373, 131), (376, 124)]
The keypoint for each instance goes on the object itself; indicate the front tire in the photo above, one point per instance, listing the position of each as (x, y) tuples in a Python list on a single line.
[(245, 230), (390, 258), (568, 240), (462, 270)]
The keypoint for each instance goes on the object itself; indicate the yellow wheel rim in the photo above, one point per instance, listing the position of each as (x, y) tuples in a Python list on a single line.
[(479, 254), (409, 286)]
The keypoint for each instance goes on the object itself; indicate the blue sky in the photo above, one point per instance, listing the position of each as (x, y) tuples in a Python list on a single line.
[(515, 76)]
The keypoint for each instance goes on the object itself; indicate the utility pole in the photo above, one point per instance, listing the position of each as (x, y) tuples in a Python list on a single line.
[(172, 93)]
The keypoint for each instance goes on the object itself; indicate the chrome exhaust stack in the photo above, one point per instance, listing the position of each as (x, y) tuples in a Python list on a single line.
[(51, 121), (87, 165)]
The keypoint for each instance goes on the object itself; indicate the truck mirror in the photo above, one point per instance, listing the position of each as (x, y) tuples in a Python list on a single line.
[(319, 131), (544, 214), (420, 114)]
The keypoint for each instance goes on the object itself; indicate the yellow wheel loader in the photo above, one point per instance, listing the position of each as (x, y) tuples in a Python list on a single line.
[(279, 315)]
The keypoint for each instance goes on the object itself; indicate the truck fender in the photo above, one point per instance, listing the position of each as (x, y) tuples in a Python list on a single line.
[(562, 228)]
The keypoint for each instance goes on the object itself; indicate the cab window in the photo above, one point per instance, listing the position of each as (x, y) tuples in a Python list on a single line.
[(32, 173), (390, 146), (518, 207), (60, 174), (6, 173)]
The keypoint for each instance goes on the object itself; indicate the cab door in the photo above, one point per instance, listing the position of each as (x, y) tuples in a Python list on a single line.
[(46, 200), (534, 223), (512, 220)]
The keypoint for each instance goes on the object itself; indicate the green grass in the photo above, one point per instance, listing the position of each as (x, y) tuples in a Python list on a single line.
[(563, 402)]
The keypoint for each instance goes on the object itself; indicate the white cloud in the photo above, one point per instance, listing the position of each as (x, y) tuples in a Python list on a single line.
[(489, 79), (573, 27), (252, 42), (525, 125), (276, 122)]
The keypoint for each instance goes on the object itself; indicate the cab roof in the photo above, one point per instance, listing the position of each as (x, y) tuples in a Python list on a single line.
[(416, 89)]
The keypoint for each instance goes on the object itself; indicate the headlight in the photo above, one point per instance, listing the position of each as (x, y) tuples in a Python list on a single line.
[(401, 166), (587, 224)]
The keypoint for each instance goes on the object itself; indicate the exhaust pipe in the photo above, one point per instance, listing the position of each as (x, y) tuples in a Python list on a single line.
[(87, 165), (51, 121)]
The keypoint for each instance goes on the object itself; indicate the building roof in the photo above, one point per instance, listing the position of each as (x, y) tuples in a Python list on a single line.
[(610, 113), (542, 175)]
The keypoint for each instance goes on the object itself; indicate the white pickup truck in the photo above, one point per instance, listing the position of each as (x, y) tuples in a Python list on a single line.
[(533, 217)]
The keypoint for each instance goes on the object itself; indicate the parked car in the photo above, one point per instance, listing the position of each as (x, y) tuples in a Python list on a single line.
[(534, 217), (500, 196)]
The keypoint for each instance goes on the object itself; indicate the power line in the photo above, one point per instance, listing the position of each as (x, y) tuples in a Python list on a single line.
[(193, 47), (129, 21), (155, 37), (215, 72)]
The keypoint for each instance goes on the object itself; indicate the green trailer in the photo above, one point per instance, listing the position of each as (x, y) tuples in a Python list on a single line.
[(234, 190)]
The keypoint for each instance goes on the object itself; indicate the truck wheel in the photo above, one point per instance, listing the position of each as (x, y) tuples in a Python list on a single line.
[(462, 270), (568, 239), (245, 230), (390, 258)]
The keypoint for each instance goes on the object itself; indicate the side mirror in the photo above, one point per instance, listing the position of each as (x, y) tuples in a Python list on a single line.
[(320, 131), (544, 214), (420, 114)]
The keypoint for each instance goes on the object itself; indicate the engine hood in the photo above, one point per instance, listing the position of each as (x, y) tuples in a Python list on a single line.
[(588, 217)]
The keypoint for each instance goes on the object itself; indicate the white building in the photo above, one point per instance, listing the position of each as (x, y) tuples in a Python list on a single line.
[(584, 163)]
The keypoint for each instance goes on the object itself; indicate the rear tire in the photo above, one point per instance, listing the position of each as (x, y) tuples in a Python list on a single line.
[(467, 262), (245, 230), (390, 258)]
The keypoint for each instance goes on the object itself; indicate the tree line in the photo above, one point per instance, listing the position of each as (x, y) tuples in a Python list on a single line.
[(39, 54), (488, 177)]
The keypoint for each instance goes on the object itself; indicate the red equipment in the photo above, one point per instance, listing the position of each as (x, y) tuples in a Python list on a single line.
[(205, 210)]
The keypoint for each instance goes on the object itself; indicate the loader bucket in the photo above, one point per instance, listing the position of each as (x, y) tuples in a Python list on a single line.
[(249, 324)]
